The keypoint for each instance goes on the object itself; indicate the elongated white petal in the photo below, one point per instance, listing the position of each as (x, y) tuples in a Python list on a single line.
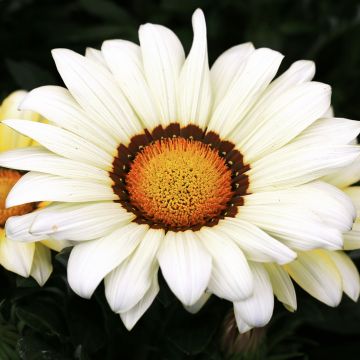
[(332, 205), (63, 143), (295, 164), (348, 273), (56, 245), (18, 228), (46, 187), (225, 68), (163, 56), (231, 277), (282, 286), (95, 55), (352, 238), (41, 268), (91, 261), (257, 309), (10, 110), (78, 222), (283, 119), (41, 160), (16, 257), (336, 131), (256, 244), (193, 309), (126, 285), (298, 73), (96, 91), (124, 60), (57, 104), (345, 176), (185, 264), (131, 317), (243, 327), (246, 88), (194, 83), (317, 274), (293, 225)]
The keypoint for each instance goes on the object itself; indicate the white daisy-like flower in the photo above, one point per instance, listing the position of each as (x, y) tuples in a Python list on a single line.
[(155, 160), (26, 259)]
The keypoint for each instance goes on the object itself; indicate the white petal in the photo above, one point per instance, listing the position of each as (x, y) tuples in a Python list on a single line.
[(332, 205), (241, 324), (317, 274), (295, 164), (124, 60), (282, 286), (345, 176), (131, 317), (18, 228), (293, 225), (16, 257), (126, 285), (348, 273), (352, 238), (41, 160), (256, 244), (57, 104), (194, 82), (163, 56), (354, 193), (225, 68), (97, 92), (329, 113), (95, 55), (231, 277), (283, 119), (185, 264), (298, 73), (55, 188), (336, 131), (246, 88), (193, 309), (41, 267), (63, 143), (56, 245), (91, 261), (257, 309), (79, 222)]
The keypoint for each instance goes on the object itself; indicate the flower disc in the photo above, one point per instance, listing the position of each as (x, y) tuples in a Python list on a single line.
[(179, 182)]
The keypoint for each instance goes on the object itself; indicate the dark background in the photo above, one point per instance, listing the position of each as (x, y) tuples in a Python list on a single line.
[(52, 323)]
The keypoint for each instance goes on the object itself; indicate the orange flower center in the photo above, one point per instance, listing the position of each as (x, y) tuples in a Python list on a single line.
[(179, 182), (8, 179)]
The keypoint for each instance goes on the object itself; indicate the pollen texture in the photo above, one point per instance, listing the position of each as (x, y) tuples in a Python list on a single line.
[(179, 182)]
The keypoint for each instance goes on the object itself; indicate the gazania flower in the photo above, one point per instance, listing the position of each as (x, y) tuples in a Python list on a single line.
[(26, 259), (212, 175)]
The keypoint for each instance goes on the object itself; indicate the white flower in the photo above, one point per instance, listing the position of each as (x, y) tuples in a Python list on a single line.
[(26, 259), (212, 175)]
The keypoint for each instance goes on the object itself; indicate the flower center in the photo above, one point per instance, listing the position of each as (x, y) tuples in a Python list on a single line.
[(179, 182), (178, 178), (8, 179)]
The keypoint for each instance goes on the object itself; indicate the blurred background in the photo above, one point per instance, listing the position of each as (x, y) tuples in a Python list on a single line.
[(52, 323)]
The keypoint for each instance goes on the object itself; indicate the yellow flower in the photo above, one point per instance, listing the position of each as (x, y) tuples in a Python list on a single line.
[(26, 259)]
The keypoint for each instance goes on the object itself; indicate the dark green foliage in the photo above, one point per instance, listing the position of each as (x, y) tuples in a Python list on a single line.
[(52, 322)]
